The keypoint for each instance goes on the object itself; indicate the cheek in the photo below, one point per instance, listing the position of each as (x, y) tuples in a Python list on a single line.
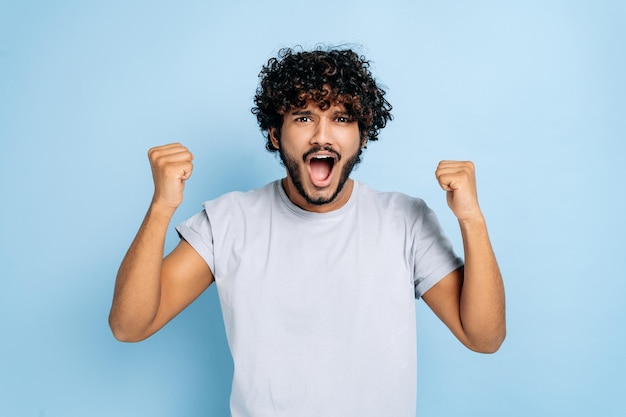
[(354, 141)]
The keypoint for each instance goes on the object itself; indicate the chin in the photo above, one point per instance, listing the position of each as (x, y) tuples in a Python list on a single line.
[(323, 196)]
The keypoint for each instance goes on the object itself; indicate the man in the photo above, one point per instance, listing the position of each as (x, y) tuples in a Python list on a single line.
[(317, 274)]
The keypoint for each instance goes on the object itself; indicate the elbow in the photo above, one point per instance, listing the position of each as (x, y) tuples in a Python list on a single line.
[(487, 349), (122, 334), (124, 338), (490, 345)]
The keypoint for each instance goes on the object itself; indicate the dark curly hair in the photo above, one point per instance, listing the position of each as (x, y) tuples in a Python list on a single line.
[(293, 78)]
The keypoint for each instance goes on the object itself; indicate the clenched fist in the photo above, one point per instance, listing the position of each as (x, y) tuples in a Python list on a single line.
[(458, 179), (171, 167)]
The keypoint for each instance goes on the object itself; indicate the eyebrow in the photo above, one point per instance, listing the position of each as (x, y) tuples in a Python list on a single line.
[(303, 112)]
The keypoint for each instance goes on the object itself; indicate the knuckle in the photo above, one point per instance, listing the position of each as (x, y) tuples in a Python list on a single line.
[(159, 161)]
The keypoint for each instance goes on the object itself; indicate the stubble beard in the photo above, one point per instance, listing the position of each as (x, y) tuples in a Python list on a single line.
[(293, 168)]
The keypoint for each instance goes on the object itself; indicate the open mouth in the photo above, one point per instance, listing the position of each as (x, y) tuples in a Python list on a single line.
[(321, 169)]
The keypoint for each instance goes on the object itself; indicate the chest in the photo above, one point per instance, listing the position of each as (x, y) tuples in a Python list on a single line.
[(302, 266)]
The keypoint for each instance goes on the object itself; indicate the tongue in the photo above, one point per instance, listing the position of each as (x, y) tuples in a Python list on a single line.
[(320, 169)]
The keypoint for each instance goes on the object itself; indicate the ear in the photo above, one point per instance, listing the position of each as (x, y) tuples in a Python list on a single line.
[(272, 134)]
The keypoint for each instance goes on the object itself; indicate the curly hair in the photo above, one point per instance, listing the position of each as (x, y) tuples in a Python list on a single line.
[(294, 78)]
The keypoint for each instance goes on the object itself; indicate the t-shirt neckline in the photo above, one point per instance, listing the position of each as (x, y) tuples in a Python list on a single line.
[(311, 214)]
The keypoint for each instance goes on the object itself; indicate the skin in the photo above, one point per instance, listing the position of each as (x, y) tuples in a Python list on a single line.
[(151, 290), (470, 300), (310, 132)]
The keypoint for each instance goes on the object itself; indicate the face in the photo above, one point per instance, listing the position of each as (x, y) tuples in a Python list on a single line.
[(319, 148)]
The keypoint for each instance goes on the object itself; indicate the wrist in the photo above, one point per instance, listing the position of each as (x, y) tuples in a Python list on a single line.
[(160, 208), (476, 220)]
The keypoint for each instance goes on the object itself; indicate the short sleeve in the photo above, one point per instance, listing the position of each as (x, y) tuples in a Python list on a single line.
[(434, 256), (198, 233)]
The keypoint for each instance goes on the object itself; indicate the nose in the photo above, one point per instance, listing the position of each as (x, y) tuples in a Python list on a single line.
[(322, 135)]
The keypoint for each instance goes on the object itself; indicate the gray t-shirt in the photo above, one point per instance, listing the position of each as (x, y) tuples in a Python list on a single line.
[(319, 308)]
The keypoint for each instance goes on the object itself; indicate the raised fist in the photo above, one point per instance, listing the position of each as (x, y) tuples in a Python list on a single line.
[(171, 167), (459, 180)]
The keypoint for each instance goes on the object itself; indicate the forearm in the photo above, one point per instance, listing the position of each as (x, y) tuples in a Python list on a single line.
[(482, 301), (138, 284)]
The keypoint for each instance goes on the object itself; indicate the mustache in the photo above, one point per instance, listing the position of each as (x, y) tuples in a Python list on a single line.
[(318, 148)]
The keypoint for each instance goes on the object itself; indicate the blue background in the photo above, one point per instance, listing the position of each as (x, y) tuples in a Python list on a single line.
[(533, 91)]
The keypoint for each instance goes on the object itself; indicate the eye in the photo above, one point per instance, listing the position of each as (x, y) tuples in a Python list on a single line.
[(344, 119), (302, 119)]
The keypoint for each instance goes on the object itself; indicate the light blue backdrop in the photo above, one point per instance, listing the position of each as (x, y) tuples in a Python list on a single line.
[(533, 91)]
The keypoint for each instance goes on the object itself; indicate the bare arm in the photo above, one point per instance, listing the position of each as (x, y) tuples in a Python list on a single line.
[(470, 300), (150, 290)]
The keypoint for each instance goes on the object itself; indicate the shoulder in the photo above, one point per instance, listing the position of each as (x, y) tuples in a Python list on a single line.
[(393, 201), (243, 200), (397, 208)]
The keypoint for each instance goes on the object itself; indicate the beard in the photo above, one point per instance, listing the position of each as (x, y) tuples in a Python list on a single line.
[(293, 168)]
